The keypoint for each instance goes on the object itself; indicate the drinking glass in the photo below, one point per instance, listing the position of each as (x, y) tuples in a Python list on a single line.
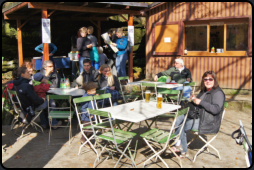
[(159, 101), (147, 96)]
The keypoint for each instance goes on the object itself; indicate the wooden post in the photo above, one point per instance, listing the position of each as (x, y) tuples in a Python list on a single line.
[(45, 45), (20, 49), (99, 33), (130, 59)]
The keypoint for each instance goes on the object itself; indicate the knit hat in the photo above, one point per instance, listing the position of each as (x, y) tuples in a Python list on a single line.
[(38, 76)]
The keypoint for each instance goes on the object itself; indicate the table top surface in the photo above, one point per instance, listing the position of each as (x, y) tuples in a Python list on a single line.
[(67, 91), (139, 110), (138, 82)]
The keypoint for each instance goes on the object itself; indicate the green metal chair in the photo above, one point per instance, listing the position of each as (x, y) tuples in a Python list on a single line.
[(67, 113), (106, 123), (113, 138), (76, 102), (163, 139), (143, 84), (207, 143), (17, 108), (127, 95)]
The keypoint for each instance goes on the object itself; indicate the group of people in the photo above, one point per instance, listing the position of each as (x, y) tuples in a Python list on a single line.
[(210, 101), (93, 76)]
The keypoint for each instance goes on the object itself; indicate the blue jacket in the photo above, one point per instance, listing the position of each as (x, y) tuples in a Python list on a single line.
[(52, 48), (121, 45), (86, 105)]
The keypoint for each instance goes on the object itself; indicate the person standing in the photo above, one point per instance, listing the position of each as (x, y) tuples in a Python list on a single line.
[(74, 49), (121, 56), (84, 45), (94, 56), (52, 50)]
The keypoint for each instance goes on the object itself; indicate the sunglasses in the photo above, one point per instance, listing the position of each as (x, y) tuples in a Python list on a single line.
[(210, 79)]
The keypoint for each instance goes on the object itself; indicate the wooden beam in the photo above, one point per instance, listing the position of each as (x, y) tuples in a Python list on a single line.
[(82, 9), (95, 24), (51, 13), (20, 49), (25, 22), (45, 45), (99, 33), (130, 71), (85, 4), (123, 17), (16, 8)]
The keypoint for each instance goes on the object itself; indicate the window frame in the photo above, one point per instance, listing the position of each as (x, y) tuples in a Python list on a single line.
[(208, 22)]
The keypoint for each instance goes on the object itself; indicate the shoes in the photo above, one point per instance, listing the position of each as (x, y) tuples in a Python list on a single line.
[(183, 155), (175, 149), (59, 123)]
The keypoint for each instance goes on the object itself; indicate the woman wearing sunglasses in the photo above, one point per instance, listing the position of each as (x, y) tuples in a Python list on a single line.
[(210, 101)]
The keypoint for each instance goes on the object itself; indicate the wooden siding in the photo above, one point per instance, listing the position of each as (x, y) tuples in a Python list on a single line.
[(233, 72)]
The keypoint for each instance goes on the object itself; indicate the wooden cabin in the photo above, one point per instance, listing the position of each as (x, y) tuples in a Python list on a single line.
[(173, 27)]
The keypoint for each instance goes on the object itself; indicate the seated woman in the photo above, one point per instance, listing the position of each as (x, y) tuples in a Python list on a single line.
[(210, 101), (107, 81)]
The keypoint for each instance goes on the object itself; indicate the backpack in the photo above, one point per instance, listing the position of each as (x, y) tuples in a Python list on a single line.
[(128, 47)]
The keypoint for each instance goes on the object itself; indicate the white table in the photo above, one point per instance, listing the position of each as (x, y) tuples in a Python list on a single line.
[(169, 86), (142, 110), (138, 82), (67, 91)]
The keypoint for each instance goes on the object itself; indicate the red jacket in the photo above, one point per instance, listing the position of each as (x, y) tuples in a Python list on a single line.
[(41, 89)]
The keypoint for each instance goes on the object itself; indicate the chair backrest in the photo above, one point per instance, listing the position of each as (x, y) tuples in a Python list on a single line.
[(148, 85), (172, 129), (123, 78), (13, 94), (225, 106), (60, 97), (188, 84), (103, 114), (102, 97), (100, 91), (78, 101), (171, 92)]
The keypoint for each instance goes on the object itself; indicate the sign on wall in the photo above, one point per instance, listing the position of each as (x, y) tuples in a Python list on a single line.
[(45, 27), (131, 35)]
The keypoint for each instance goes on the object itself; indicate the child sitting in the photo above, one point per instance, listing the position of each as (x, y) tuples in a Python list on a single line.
[(90, 88), (102, 57), (41, 86)]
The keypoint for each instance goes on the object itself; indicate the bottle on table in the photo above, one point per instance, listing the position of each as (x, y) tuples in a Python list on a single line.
[(67, 83)]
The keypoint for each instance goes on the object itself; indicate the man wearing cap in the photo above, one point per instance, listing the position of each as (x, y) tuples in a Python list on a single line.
[(180, 75)]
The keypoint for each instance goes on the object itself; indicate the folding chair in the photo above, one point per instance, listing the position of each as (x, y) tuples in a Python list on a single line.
[(16, 106), (60, 114), (77, 101), (184, 99), (164, 91), (149, 85), (18, 110), (207, 143), (127, 95), (113, 137), (159, 138)]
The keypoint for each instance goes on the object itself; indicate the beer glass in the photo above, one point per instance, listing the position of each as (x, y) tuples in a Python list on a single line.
[(159, 101), (147, 96)]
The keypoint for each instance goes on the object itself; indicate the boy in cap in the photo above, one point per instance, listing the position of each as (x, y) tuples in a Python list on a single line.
[(41, 86), (102, 57)]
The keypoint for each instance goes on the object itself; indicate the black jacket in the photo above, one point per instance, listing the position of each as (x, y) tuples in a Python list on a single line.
[(82, 42), (26, 93), (211, 113), (54, 78), (104, 82), (92, 76)]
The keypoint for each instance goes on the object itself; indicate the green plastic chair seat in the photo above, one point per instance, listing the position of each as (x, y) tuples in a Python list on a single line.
[(157, 135), (167, 115), (60, 114), (121, 136)]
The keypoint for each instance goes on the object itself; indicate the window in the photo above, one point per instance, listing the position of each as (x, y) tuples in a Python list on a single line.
[(237, 37), (196, 37)]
